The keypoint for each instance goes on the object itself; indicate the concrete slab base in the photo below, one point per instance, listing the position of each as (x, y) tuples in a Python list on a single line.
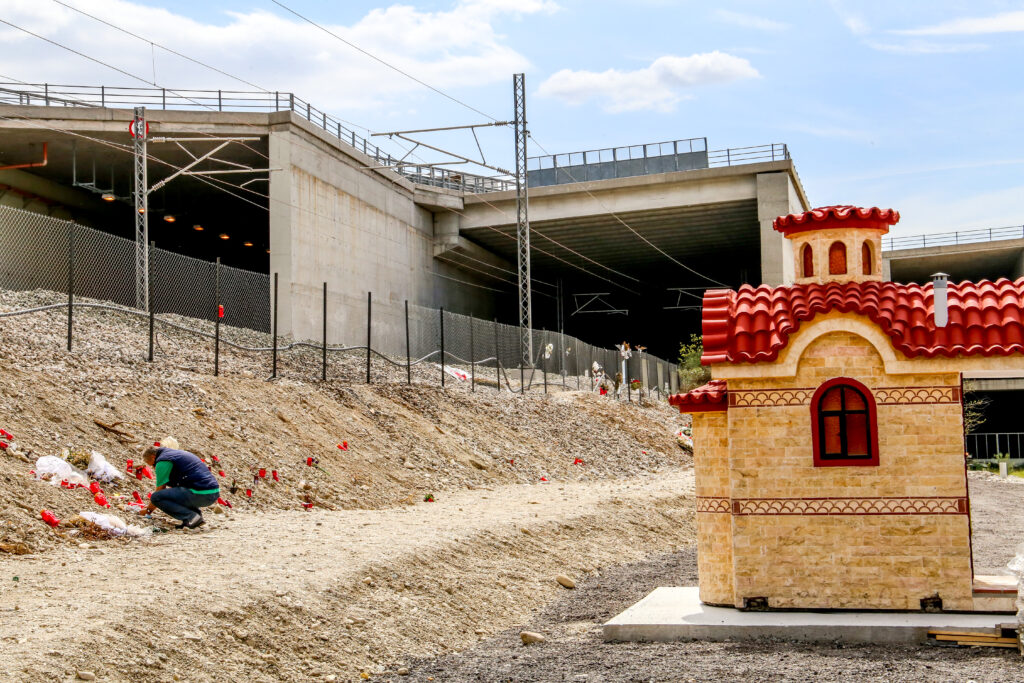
[(670, 614)]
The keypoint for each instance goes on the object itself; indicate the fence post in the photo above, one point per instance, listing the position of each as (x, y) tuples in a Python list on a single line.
[(472, 361), (369, 330), (273, 370), (543, 357), (442, 347), (216, 319), (149, 300), (71, 279), (497, 358), (408, 347), (323, 360)]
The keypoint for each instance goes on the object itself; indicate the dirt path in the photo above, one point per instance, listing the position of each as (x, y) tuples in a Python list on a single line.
[(239, 600), (575, 651)]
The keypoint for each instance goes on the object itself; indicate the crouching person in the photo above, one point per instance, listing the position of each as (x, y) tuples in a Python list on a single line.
[(184, 485)]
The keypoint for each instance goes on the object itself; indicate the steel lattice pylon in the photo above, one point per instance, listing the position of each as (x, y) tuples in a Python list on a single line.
[(522, 222), (141, 212)]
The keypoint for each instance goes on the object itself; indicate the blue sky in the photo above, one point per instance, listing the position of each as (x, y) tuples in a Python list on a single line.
[(913, 105)]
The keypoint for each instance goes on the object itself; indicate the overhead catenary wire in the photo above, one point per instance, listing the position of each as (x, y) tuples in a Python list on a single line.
[(629, 227), (382, 61), (217, 181), (472, 108)]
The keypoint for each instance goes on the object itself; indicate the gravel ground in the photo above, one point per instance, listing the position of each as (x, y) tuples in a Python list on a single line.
[(575, 651)]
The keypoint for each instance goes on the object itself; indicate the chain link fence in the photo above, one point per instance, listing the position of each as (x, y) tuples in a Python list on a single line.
[(77, 270)]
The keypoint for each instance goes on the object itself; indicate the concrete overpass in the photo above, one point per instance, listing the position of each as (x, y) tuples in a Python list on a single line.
[(985, 254), (337, 209)]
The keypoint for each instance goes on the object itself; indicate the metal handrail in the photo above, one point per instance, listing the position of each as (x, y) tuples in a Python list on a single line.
[(49, 94), (980, 444), (953, 238)]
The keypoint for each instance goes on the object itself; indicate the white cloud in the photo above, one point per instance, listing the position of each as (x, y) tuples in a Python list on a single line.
[(656, 87), (458, 47), (920, 47), (750, 21), (1007, 22), (853, 21)]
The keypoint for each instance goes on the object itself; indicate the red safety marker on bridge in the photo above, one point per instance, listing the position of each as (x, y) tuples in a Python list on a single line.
[(134, 129)]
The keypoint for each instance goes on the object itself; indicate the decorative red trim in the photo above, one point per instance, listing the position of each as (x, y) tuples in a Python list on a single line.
[(712, 504), (893, 505), (884, 396), (844, 216), (889, 396), (872, 425)]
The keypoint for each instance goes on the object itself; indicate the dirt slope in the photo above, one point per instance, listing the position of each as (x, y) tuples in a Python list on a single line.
[(404, 441)]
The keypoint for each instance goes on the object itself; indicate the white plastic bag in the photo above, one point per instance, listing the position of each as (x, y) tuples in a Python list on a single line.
[(54, 470), (101, 470), (113, 524)]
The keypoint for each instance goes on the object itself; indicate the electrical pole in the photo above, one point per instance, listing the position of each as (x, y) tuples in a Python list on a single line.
[(138, 131), (522, 222)]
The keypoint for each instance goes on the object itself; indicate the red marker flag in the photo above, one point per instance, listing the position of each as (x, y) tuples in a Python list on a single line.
[(343, 446), (49, 518), (220, 311), (273, 473)]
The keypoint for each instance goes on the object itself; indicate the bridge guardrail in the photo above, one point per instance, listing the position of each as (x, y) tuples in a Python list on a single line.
[(953, 238)]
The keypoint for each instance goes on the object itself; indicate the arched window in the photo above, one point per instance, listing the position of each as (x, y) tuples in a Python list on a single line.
[(865, 258), (844, 424), (808, 257), (837, 259)]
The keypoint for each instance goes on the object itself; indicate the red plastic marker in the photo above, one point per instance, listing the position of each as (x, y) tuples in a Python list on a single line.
[(343, 446), (94, 488), (147, 474), (309, 462), (157, 444), (220, 311), (578, 461), (543, 478), (215, 458), (221, 473), (136, 496), (263, 473), (223, 502), (101, 500), (128, 467), (273, 473), (308, 506), (49, 518), (248, 493), (3, 446), (149, 495)]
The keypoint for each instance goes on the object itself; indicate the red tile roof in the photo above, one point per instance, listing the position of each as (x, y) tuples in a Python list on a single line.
[(753, 324), (826, 217), (710, 397)]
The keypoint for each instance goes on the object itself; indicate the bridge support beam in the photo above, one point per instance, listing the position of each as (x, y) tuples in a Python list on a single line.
[(776, 196)]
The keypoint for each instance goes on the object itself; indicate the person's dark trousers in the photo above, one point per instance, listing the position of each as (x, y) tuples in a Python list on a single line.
[(181, 503)]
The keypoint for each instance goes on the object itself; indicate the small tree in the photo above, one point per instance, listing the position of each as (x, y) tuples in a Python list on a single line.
[(974, 408), (691, 373)]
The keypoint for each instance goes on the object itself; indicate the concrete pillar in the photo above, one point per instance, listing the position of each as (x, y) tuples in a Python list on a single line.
[(281, 227), (446, 231), (776, 197), (886, 269)]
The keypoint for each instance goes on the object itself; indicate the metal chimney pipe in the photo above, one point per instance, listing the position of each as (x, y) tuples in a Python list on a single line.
[(940, 282)]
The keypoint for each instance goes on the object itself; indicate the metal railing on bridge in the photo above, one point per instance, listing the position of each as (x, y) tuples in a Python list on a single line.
[(53, 95), (598, 164), (944, 239), (646, 159)]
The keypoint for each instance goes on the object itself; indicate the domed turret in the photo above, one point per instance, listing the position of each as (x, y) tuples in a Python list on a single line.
[(837, 243)]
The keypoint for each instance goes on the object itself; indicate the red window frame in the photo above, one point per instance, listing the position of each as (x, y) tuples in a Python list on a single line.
[(820, 460)]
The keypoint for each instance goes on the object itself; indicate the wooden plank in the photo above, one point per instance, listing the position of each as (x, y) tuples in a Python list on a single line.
[(977, 640), (982, 634)]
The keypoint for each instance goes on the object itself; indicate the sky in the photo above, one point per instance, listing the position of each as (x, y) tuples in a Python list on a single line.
[(910, 105)]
